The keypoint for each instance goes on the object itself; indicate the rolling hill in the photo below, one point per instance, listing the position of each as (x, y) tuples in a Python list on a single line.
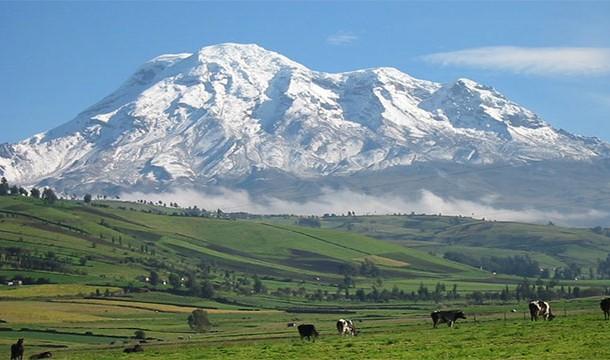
[(553, 246), (115, 243)]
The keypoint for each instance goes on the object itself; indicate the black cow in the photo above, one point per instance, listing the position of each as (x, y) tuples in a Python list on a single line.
[(17, 350), (44, 355), (449, 317), (134, 349), (605, 306), (308, 331)]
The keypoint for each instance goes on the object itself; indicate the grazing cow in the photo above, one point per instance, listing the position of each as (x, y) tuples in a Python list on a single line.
[(605, 306), (449, 317), (346, 327), (540, 308), (44, 355), (17, 350), (291, 324), (136, 348), (308, 331)]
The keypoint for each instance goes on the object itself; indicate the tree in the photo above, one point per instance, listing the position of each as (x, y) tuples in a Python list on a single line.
[(360, 295), (35, 193), (477, 297), (454, 292), (195, 289), (422, 292), (14, 190), (198, 321), (207, 290), (48, 195), (438, 292), (348, 281), (4, 187), (87, 199), (174, 281), (154, 278), (603, 267), (258, 286), (23, 191), (369, 268)]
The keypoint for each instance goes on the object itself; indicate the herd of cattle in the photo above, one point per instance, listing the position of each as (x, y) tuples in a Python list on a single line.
[(538, 309)]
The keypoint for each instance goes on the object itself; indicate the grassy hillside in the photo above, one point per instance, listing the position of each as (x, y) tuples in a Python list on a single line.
[(553, 246), (121, 245)]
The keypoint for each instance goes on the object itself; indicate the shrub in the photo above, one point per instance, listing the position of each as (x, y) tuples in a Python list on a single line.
[(198, 321)]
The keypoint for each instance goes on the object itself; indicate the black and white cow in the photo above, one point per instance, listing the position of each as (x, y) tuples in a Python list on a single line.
[(447, 316), (540, 308), (308, 331), (346, 327), (605, 306)]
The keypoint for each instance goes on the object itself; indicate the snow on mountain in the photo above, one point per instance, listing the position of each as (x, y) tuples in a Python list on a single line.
[(230, 109)]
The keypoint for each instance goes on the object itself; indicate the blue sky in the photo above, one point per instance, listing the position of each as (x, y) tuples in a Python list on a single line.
[(60, 57)]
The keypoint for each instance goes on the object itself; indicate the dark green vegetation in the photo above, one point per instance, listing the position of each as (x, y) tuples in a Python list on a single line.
[(105, 273)]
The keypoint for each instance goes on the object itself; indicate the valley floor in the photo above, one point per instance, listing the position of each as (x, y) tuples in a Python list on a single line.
[(89, 329), (584, 336)]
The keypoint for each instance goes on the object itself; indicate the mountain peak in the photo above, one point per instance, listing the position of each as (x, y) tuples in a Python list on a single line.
[(467, 83), (226, 109), (242, 54), (230, 47)]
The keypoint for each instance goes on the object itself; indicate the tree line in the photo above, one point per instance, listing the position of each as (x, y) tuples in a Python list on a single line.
[(47, 194)]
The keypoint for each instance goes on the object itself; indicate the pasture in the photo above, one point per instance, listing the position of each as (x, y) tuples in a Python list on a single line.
[(579, 333)]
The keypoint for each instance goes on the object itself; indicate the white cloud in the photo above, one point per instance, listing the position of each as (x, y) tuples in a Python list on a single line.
[(539, 61), (341, 39), (342, 201)]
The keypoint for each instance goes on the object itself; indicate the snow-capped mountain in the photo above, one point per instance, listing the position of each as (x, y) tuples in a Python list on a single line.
[(227, 111)]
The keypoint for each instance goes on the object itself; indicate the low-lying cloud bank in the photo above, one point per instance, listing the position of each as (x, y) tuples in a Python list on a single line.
[(342, 201)]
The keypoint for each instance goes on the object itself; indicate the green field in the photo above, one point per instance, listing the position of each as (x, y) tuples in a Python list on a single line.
[(579, 332), (485, 340), (85, 268), (551, 245)]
